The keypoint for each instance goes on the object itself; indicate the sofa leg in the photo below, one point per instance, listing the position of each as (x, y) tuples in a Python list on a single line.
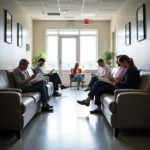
[(115, 132), (19, 134)]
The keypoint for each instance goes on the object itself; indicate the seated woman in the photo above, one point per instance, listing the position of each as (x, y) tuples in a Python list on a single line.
[(77, 74), (119, 72), (130, 80)]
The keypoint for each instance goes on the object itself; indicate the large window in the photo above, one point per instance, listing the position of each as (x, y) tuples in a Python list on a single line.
[(52, 52), (65, 47), (88, 52)]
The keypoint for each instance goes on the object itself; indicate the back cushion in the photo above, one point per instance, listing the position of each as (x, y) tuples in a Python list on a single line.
[(4, 81), (145, 80), (10, 77)]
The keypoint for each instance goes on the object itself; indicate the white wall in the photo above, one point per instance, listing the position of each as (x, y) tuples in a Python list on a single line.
[(139, 51), (10, 54), (39, 28)]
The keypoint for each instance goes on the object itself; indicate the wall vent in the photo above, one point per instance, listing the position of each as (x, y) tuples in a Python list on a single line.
[(53, 14)]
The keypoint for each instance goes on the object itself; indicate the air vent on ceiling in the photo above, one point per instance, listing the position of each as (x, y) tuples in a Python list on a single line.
[(53, 14)]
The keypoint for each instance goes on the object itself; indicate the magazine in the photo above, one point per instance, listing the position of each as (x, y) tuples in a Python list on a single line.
[(104, 79), (39, 77)]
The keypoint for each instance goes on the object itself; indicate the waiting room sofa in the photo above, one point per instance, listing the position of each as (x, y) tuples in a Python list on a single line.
[(16, 108), (128, 108)]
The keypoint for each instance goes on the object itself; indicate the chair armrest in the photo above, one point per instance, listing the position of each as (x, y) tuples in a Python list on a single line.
[(132, 110), (10, 110), (83, 74), (11, 90), (127, 90), (71, 76)]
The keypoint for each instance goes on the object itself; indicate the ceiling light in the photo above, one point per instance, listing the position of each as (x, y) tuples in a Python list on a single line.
[(64, 11), (88, 14)]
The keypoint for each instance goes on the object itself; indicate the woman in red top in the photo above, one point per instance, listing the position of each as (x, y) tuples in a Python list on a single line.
[(76, 72)]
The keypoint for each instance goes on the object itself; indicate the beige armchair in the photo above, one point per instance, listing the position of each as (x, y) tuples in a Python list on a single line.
[(128, 108), (72, 79)]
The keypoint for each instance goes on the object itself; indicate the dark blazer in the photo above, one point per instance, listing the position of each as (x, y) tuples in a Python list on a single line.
[(130, 80)]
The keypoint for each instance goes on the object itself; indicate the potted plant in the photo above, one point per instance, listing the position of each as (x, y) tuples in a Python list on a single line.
[(108, 57), (36, 58)]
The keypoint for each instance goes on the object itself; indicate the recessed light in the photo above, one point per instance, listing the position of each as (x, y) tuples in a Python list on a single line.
[(64, 11)]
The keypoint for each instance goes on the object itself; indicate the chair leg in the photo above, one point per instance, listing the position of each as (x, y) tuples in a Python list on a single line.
[(70, 84), (115, 132), (82, 85)]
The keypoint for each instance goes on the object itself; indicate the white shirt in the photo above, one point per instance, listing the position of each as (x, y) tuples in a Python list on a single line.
[(104, 71)]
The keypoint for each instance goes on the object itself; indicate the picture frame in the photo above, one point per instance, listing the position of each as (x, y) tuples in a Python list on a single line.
[(19, 35), (141, 23), (8, 27), (128, 34)]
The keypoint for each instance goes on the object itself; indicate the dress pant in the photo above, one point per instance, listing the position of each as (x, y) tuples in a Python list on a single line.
[(55, 79), (100, 88), (38, 87), (92, 82), (79, 78)]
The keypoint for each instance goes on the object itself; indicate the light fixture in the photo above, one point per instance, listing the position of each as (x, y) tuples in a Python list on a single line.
[(64, 11)]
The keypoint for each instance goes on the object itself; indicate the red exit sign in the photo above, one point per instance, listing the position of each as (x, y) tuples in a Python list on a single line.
[(86, 21)]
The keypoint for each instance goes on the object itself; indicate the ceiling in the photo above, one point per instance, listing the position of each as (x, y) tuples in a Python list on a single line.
[(76, 9)]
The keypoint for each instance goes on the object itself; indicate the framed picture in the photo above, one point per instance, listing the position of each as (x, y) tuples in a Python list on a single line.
[(140, 16), (8, 27), (128, 33), (19, 35)]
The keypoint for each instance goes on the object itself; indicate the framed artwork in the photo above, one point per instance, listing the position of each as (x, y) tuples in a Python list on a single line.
[(128, 33), (140, 16), (8, 27), (19, 35)]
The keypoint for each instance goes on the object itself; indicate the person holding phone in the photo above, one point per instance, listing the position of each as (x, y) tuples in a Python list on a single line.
[(103, 71), (27, 84), (130, 80), (53, 77)]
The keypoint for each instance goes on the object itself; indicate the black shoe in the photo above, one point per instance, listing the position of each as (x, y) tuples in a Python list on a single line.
[(88, 89), (95, 111), (46, 108), (83, 103), (49, 106), (63, 87), (56, 94)]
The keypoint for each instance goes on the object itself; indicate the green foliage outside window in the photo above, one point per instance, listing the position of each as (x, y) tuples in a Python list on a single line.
[(36, 58), (108, 57)]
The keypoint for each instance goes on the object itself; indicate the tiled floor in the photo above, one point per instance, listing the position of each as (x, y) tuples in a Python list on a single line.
[(71, 127)]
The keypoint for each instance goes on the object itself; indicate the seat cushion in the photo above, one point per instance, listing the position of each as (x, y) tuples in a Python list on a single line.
[(73, 80), (102, 97), (51, 89), (35, 95), (109, 102), (27, 104)]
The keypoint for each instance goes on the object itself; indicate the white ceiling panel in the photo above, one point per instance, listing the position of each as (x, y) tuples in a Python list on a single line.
[(76, 9)]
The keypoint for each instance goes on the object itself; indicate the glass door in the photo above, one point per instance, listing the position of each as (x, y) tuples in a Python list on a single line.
[(68, 54)]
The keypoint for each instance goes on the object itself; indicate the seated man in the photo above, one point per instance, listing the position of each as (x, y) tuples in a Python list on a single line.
[(53, 77), (28, 84), (103, 71)]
